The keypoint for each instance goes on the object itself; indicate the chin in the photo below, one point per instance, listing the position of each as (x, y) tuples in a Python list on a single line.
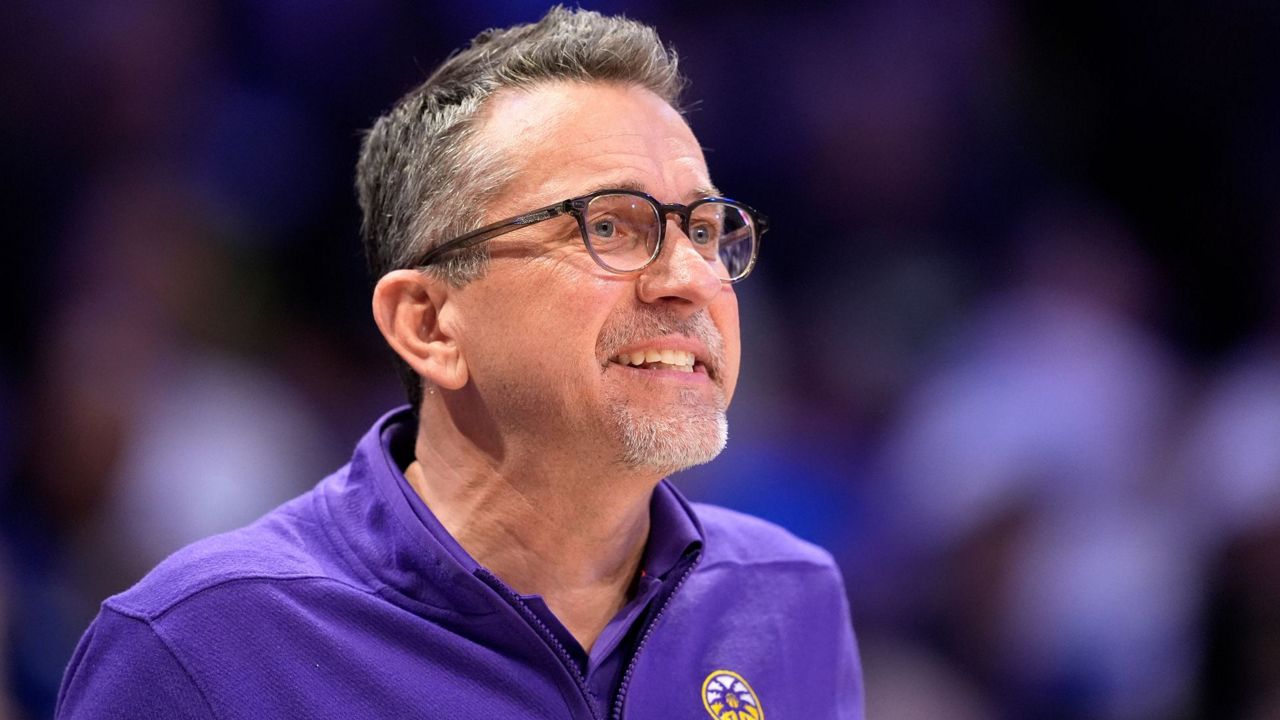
[(670, 444)]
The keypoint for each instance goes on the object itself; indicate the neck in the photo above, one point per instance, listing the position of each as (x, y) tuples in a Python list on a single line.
[(573, 535)]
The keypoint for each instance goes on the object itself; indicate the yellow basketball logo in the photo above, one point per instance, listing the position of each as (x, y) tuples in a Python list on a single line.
[(728, 697)]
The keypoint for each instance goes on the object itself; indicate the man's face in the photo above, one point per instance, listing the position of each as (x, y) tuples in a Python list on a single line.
[(547, 334)]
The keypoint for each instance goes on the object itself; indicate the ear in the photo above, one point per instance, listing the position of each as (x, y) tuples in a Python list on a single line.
[(413, 312)]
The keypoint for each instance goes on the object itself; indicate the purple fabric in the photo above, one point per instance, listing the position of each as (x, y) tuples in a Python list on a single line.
[(351, 601)]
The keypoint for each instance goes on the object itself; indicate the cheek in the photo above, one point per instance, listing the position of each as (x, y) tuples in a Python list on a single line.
[(501, 329), (724, 312), (546, 322)]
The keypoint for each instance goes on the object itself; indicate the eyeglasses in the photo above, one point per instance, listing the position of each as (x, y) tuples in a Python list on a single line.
[(623, 231)]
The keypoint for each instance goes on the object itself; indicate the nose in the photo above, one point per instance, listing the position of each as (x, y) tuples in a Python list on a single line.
[(680, 276)]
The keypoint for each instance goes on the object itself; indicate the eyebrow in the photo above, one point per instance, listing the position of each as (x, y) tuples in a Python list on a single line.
[(702, 191)]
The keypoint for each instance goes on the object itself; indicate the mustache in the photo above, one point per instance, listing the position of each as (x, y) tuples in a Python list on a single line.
[(657, 322)]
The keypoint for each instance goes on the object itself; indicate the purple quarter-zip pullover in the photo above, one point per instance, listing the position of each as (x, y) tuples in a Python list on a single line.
[(352, 601)]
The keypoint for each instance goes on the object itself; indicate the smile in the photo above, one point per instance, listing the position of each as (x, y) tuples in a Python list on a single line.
[(654, 359)]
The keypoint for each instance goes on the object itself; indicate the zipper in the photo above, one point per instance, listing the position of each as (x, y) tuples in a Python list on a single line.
[(621, 699), (532, 618)]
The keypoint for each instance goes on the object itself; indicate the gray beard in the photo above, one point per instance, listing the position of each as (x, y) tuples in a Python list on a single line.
[(692, 432), (691, 435)]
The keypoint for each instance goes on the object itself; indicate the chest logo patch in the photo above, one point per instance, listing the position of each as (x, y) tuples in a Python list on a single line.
[(728, 697)]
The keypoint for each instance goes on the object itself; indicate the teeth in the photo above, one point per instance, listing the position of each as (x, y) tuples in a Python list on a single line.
[(676, 359)]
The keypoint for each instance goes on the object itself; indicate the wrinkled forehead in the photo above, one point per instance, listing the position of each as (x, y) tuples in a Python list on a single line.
[(568, 138)]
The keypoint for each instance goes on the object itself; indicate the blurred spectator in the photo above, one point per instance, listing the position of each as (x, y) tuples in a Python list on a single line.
[(1232, 465), (1232, 456), (149, 428), (1023, 467)]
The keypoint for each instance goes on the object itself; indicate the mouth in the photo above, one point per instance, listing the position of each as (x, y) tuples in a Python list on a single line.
[(680, 361)]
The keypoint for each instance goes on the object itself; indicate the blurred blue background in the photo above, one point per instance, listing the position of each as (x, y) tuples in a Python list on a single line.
[(1012, 352)]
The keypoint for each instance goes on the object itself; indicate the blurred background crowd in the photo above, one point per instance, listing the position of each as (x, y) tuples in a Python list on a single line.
[(1012, 352)]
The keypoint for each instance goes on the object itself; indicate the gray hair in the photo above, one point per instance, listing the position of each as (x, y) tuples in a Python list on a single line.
[(423, 177)]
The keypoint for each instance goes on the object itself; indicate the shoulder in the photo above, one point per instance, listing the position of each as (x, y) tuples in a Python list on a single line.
[(734, 538), (287, 543), (122, 663)]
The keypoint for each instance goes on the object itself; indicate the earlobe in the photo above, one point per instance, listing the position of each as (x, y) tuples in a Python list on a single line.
[(412, 311)]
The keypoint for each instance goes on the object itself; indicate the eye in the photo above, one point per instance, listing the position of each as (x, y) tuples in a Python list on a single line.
[(702, 234), (603, 228)]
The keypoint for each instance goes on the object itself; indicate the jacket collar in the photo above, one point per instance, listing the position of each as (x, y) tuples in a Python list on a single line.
[(397, 543)]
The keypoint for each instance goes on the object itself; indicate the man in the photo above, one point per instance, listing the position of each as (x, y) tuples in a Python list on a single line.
[(555, 275)]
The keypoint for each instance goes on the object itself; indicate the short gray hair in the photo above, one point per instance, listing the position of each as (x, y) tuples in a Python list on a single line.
[(423, 178)]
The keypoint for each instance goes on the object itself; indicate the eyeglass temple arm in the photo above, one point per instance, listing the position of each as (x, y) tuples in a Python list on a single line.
[(489, 232), (762, 223)]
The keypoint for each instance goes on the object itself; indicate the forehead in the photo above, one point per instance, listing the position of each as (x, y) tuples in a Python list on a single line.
[(570, 138)]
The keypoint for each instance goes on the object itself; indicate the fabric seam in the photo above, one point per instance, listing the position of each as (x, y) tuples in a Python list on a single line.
[(164, 642), (139, 614)]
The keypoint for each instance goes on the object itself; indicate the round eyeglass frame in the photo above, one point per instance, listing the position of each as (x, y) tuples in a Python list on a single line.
[(577, 207)]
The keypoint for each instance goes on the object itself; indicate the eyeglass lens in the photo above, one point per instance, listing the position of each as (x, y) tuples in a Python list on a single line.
[(622, 232)]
